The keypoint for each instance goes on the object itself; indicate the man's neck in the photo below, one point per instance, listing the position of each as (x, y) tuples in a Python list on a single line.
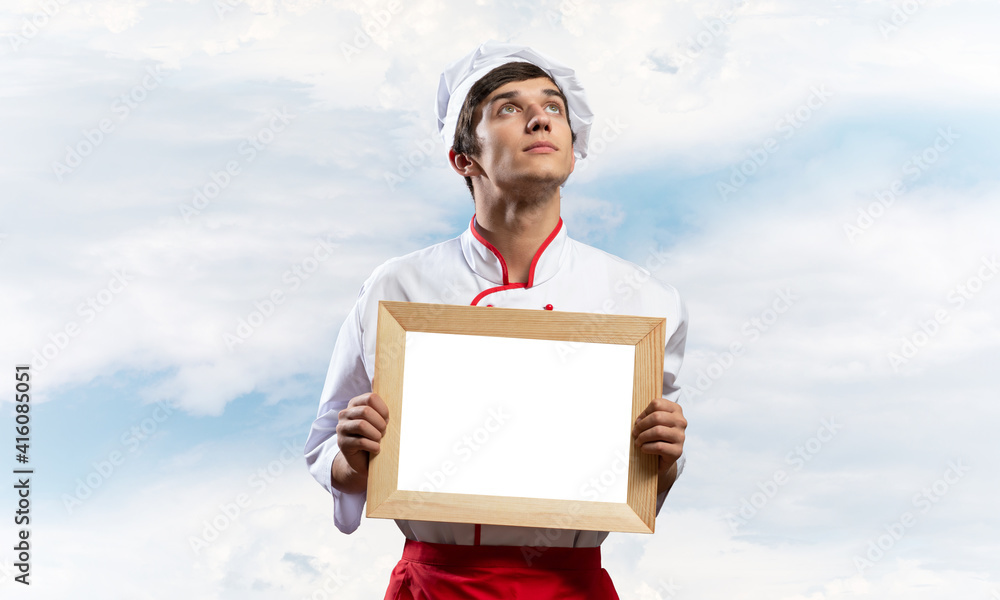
[(517, 229)]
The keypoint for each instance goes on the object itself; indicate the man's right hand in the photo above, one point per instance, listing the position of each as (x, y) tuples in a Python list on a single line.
[(360, 427)]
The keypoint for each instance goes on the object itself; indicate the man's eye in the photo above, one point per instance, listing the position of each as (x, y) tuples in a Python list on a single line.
[(554, 108), (508, 109)]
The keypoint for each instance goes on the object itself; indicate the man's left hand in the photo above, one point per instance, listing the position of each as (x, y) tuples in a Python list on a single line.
[(659, 430)]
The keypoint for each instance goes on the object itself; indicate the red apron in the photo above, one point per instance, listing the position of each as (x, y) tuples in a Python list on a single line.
[(452, 572)]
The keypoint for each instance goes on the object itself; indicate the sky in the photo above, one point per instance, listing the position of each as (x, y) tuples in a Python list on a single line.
[(814, 178)]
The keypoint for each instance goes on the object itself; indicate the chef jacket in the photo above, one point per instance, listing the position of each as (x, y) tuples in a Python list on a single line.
[(564, 275)]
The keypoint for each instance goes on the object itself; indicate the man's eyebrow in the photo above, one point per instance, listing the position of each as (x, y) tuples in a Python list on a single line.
[(516, 93), (504, 96)]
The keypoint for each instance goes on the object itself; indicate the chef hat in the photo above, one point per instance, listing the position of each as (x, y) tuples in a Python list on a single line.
[(459, 77)]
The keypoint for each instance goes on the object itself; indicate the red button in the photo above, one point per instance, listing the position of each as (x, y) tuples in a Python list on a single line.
[(548, 307), (489, 306)]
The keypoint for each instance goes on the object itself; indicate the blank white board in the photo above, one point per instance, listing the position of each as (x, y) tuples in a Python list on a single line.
[(515, 417)]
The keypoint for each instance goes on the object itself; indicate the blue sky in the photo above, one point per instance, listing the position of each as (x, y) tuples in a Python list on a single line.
[(289, 136)]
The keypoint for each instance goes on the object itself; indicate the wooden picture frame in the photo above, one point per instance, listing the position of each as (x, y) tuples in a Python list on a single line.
[(418, 327)]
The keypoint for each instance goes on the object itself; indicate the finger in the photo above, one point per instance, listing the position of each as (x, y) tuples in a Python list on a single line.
[(352, 445), (660, 405), (659, 418), (359, 428), (660, 433), (376, 402), (664, 449), (363, 413), (373, 400)]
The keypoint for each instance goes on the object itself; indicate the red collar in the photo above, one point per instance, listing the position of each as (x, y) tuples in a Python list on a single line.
[(487, 262)]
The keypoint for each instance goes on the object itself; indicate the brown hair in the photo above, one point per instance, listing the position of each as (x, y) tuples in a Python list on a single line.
[(466, 141)]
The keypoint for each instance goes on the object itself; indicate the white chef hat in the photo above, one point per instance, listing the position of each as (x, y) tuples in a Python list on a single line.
[(459, 77)]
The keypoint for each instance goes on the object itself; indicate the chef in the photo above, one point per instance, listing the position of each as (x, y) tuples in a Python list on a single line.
[(516, 122)]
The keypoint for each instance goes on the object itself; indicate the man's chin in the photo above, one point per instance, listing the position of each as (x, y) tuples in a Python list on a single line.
[(543, 179)]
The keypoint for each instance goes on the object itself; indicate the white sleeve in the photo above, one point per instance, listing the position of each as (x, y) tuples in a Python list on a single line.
[(345, 379), (673, 355)]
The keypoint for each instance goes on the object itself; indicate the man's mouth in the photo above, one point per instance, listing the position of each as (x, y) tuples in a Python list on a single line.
[(541, 148)]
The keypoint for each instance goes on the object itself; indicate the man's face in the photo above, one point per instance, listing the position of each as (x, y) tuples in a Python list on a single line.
[(525, 139)]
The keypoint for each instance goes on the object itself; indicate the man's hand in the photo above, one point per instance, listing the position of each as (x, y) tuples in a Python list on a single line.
[(659, 430), (360, 427)]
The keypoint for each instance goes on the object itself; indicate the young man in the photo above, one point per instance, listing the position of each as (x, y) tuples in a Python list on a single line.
[(516, 121)]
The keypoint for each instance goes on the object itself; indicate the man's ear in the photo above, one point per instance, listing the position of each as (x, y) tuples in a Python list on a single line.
[(463, 164)]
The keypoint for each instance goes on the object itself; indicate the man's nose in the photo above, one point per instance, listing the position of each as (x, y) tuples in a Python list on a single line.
[(538, 118)]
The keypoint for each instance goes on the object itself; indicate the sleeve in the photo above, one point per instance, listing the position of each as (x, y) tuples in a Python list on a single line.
[(345, 379), (673, 355)]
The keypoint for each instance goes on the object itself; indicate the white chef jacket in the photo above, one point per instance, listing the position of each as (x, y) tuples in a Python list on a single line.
[(564, 275)]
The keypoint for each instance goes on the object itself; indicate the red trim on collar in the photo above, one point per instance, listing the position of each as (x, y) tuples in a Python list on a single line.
[(545, 244), (499, 288), (503, 263), (482, 240)]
